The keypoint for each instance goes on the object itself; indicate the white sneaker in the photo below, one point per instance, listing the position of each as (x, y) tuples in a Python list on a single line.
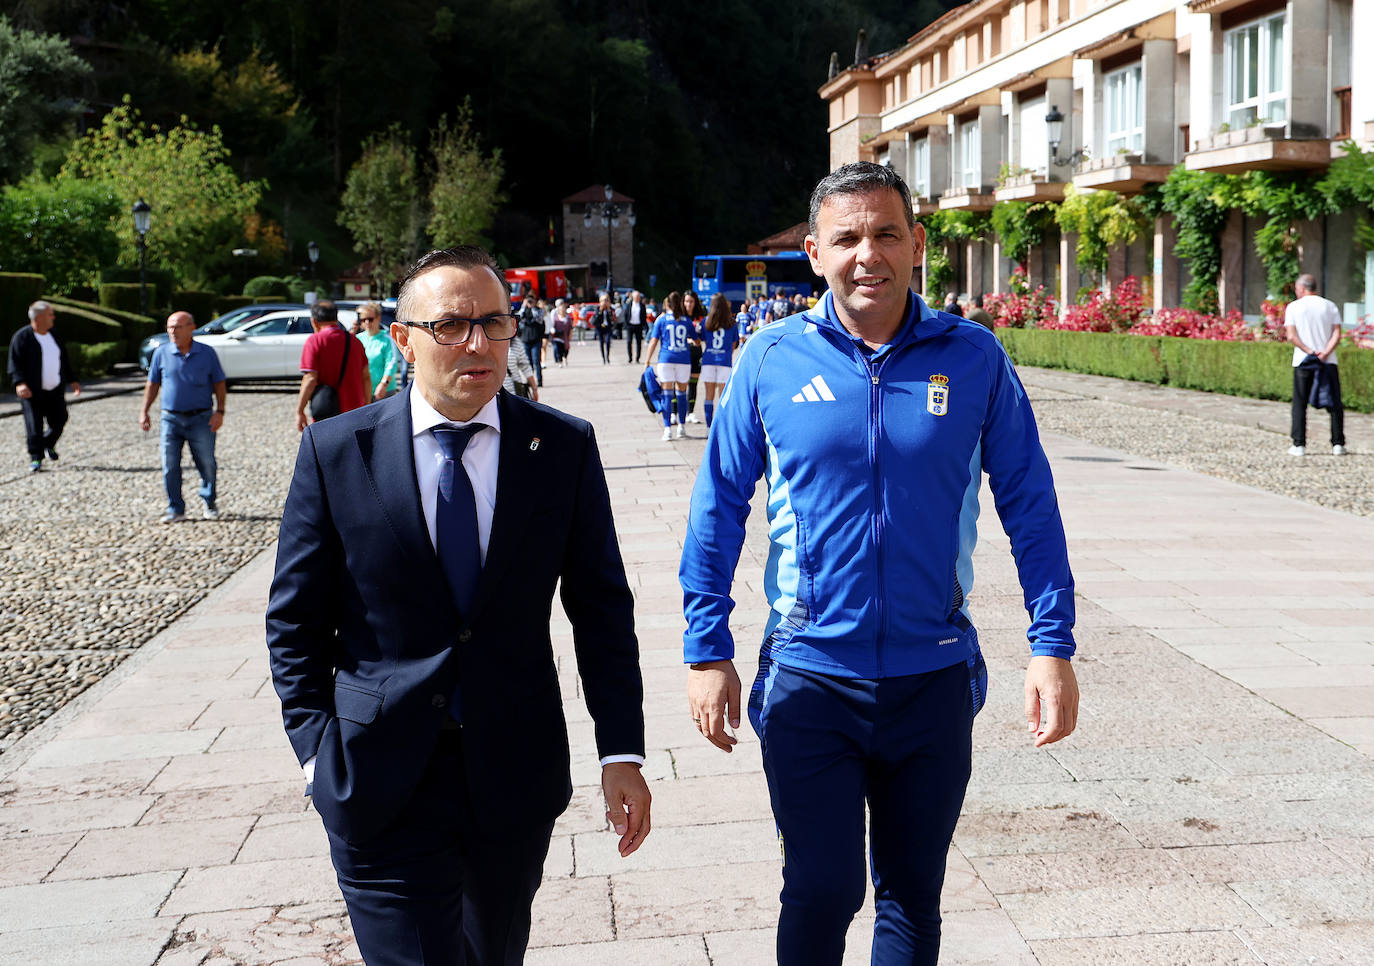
[(692, 418), (1338, 450), (667, 433), (1297, 451), (211, 513), (171, 516), (679, 432)]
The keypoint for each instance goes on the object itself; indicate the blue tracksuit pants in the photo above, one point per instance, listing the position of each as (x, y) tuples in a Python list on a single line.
[(830, 744)]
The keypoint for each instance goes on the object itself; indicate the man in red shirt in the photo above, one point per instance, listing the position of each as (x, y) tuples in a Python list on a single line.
[(323, 363)]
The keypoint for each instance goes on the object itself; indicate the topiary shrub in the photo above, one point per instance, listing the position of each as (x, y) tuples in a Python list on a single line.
[(227, 303), (90, 361), (200, 304), (267, 288), (163, 279), (126, 296), (18, 290)]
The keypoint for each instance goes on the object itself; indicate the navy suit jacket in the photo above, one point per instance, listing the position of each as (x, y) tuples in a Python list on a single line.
[(367, 645)]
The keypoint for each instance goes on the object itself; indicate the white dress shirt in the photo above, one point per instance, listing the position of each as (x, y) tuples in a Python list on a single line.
[(481, 460)]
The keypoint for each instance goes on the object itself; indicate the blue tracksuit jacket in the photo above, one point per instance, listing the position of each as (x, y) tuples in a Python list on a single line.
[(873, 463)]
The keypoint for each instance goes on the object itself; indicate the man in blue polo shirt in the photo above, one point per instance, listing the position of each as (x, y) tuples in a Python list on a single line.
[(192, 412)]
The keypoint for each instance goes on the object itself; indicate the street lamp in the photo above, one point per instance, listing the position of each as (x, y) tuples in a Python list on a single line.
[(1054, 129), (610, 217), (313, 250), (143, 218)]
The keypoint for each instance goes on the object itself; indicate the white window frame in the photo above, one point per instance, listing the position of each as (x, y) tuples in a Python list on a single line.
[(969, 144), (1265, 103), (1123, 110), (920, 167)]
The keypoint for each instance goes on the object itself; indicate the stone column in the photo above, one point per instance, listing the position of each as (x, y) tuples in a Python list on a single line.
[(1068, 270), (972, 282), (989, 142), (1230, 292), (996, 265), (1166, 265), (1059, 94), (1309, 89), (1157, 75)]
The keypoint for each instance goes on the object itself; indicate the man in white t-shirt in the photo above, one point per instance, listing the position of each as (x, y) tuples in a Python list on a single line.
[(1313, 325), (39, 369)]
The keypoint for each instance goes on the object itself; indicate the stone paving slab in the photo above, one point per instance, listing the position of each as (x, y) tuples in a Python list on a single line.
[(1212, 808)]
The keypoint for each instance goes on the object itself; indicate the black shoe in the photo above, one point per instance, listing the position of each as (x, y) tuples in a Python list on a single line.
[(35, 465), (52, 454)]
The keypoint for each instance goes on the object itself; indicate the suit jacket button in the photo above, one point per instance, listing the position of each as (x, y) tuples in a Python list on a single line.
[(438, 700), (464, 636)]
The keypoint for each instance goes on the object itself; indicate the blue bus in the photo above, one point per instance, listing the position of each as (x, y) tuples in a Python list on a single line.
[(738, 277)]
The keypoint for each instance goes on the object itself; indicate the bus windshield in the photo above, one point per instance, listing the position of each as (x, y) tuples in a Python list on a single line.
[(740, 277)]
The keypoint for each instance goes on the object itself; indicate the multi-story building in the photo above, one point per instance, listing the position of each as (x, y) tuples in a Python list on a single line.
[(1015, 99)]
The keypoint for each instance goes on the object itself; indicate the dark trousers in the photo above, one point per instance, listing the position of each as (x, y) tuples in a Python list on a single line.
[(533, 353), (829, 744), (439, 886), (634, 342), (1302, 388), (45, 405), (604, 336)]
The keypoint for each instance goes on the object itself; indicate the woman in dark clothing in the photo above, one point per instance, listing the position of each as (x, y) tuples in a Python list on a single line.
[(603, 321)]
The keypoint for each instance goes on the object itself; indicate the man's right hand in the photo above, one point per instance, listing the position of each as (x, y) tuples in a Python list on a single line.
[(22, 390), (144, 423), (713, 694), (301, 422)]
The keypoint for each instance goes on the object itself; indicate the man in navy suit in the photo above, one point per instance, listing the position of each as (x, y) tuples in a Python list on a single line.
[(409, 633)]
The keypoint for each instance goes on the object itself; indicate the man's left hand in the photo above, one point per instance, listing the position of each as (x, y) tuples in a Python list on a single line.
[(627, 803), (76, 388), (216, 421), (1051, 699)]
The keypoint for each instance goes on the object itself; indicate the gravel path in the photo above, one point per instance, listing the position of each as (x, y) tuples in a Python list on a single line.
[(87, 575), (1221, 448)]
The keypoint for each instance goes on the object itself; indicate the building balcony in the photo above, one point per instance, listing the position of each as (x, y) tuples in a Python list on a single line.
[(1264, 147), (1123, 173), (1029, 186), (925, 205), (978, 198)]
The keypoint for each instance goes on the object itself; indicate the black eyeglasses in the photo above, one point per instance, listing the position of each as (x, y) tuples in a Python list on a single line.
[(497, 328)]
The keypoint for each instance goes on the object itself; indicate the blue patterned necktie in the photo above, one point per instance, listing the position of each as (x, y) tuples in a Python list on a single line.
[(455, 518)]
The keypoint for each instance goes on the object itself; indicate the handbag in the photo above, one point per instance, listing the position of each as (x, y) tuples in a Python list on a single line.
[(324, 401)]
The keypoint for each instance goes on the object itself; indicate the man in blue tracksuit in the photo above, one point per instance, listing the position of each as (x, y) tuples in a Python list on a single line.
[(872, 419)]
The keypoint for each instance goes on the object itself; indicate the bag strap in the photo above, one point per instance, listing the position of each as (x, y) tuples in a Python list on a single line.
[(343, 366)]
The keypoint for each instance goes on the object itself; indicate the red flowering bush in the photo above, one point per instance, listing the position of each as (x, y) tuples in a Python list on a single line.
[(1272, 314), (1019, 283), (1363, 334), (1117, 312), (1019, 310), (1191, 324)]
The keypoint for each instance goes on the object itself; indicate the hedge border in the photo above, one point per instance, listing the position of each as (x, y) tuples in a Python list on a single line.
[(1258, 370)]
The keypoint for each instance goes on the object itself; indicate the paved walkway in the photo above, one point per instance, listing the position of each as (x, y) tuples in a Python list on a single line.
[(1212, 808)]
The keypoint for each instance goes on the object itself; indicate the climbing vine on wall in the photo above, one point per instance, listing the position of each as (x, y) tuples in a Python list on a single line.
[(1102, 219), (1021, 226)]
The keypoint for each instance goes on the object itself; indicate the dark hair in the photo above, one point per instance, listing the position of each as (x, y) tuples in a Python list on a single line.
[(700, 310), (459, 256), (672, 302), (719, 317), (324, 311), (856, 178)]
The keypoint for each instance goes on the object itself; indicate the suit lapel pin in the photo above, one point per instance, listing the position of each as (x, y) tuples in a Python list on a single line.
[(534, 444)]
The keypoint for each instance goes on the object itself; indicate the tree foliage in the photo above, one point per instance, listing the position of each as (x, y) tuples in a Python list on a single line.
[(200, 205), (1102, 220), (464, 185), (1021, 226), (40, 82), (380, 206), (61, 230)]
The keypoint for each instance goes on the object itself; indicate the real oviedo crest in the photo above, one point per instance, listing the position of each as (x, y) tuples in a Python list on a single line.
[(937, 395)]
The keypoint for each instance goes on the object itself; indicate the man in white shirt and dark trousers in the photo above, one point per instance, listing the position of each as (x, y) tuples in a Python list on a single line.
[(40, 372), (1313, 325)]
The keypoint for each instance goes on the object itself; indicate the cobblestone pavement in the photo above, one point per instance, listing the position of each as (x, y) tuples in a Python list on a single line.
[(1211, 808), (86, 574)]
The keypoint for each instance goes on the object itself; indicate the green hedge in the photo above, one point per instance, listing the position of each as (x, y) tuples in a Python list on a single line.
[(94, 360), (227, 303), (18, 290), (1260, 370), (200, 304), (267, 288), (79, 326), (135, 327), (163, 279), (126, 296)]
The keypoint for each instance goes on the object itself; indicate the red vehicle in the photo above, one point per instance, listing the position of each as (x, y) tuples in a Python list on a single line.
[(548, 281)]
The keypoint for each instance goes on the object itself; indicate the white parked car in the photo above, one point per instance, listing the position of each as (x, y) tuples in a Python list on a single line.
[(269, 347)]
